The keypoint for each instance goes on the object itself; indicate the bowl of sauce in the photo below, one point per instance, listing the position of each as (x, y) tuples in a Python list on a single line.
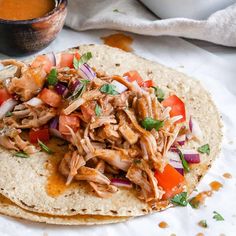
[(28, 26)]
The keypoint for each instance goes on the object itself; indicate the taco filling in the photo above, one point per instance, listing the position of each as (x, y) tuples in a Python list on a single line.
[(122, 131)]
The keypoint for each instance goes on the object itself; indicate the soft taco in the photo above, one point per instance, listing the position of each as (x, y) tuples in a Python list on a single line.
[(98, 131)]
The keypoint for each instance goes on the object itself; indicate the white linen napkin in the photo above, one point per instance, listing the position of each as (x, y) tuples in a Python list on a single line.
[(132, 16)]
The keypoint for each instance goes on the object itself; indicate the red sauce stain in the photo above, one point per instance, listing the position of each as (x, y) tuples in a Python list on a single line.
[(215, 185), (119, 40), (163, 225)]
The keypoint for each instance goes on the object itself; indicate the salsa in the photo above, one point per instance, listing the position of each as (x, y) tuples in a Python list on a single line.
[(25, 10)]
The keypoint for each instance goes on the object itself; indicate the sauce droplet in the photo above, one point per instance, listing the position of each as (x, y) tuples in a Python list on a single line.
[(227, 175), (200, 198), (215, 185), (200, 234), (163, 225), (119, 40)]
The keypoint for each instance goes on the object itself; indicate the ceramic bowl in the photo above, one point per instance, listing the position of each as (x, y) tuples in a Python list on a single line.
[(193, 9), (23, 37)]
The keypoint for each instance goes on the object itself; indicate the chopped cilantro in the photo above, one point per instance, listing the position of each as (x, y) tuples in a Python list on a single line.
[(83, 59), (21, 154), (203, 223), (98, 110), (180, 199), (109, 89), (8, 114), (217, 216), (204, 149), (78, 92), (159, 94), (148, 123), (52, 77), (184, 162), (45, 147), (116, 10)]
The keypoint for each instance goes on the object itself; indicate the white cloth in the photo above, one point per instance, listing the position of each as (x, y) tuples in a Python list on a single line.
[(132, 16)]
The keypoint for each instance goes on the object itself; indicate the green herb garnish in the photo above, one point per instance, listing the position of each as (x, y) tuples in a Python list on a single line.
[(98, 110), (203, 223), (116, 10), (109, 89), (136, 161), (217, 216), (204, 149), (8, 114), (21, 154), (52, 77), (83, 59), (180, 199), (148, 123), (184, 162), (159, 94), (44, 147)]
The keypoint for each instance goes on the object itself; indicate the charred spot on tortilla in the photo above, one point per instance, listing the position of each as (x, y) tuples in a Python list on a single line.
[(104, 145)]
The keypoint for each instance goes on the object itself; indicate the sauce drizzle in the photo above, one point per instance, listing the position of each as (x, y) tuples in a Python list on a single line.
[(163, 225), (227, 175), (215, 185), (119, 40)]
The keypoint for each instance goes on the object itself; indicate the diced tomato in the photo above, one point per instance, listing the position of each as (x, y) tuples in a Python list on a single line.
[(170, 180), (66, 59), (88, 110), (44, 61), (177, 107), (71, 120), (148, 83), (50, 97), (4, 95), (41, 134), (134, 76)]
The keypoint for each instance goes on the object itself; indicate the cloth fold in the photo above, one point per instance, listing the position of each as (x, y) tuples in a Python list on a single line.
[(132, 16)]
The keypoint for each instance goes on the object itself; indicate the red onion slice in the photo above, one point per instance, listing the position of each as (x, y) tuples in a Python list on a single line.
[(61, 89), (121, 183), (191, 156), (51, 56), (181, 139), (120, 88), (174, 159), (86, 72), (7, 106), (34, 102), (53, 127), (195, 129)]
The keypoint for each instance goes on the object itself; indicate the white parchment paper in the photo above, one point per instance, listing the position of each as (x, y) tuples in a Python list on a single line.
[(220, 79)]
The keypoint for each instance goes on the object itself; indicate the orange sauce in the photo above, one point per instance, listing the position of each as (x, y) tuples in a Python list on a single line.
[(215, 185), (200, 198), (119, 40), (25, 9), (200, 234), (227, 175), (163, 225)]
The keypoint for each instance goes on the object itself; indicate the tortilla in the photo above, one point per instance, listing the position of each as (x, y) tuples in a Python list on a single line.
[(23, 181), (8, 208)]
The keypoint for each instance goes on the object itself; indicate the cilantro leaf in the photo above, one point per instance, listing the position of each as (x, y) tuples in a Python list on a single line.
[(109, 89), (180, 199), (44, 147), (8, 114), (217, 216), (148, 123), (83, 59), (184, 162), (204, 149), (52, 77), (98, 110), (159, 94), (116, 10), (80, 90), (203, 223), (21, 154)]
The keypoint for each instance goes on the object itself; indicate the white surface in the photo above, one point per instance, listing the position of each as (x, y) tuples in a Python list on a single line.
[(219, 76), (192, 9)]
